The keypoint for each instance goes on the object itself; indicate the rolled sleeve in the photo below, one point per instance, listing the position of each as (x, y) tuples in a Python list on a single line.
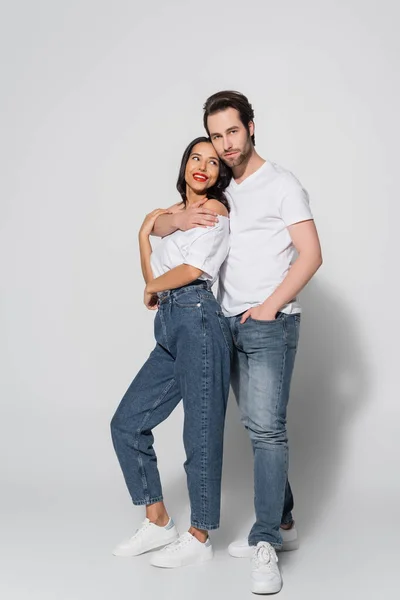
[(208, 249)]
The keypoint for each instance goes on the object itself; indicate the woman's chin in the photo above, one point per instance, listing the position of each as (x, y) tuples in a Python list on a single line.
[(199, 189)]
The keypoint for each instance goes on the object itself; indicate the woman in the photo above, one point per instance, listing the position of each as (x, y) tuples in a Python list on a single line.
[(191, 361)]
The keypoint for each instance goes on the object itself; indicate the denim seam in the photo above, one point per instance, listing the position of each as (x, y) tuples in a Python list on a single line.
[(164, 329), (282, 368), (205, 526), (138, 432), (147, 501), (276, 409), (204, 399), (221, 316)]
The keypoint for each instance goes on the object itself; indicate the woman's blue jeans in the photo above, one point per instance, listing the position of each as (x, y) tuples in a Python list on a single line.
[(191, 361)]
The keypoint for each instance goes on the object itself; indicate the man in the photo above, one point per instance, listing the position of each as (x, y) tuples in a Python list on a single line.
[(258, 287)]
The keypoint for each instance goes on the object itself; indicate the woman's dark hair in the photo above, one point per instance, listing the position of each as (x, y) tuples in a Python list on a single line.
[(229, 99), (215, 192)]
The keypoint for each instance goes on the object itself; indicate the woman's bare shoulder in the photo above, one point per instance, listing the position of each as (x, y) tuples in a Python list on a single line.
[(217, 206)]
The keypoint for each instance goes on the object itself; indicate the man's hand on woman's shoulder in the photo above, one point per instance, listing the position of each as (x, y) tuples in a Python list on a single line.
[(197, 215)]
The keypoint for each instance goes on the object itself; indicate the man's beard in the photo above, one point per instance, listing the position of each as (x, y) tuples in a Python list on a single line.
[(239, 159)]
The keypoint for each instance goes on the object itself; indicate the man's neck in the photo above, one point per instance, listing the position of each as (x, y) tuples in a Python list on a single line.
[(248, 167)]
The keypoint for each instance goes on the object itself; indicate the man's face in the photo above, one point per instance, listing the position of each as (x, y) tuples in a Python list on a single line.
[(229, 136)]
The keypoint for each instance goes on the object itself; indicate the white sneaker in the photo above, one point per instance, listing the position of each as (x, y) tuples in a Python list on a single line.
[(148, 537), (265, 574), (187, 550), (241, 548)]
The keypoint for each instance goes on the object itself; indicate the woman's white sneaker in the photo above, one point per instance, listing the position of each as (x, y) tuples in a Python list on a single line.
[(187, 550), (148, 537), (241, 548), (265, 574)]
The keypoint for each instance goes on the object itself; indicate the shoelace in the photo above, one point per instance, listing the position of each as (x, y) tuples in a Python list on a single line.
[(263, 553), (141, 529), (184, 540)]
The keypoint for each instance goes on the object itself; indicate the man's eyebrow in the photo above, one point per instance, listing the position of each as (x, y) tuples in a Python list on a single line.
[(226, 130)]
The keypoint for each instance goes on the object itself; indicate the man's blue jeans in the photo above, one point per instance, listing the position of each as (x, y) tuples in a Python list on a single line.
[(262, 368), (191, 361)]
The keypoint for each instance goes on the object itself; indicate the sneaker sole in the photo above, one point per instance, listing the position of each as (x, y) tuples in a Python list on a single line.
[(151, 549), (258, 587)]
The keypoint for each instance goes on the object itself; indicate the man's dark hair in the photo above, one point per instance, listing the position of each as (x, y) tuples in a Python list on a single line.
[(215, 192), (229, 99)]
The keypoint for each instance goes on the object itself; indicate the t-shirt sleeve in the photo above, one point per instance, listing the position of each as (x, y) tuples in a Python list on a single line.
[(207, 249), (295, 203)]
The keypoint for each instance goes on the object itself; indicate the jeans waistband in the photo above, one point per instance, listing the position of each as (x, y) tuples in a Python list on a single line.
[(194, 285)]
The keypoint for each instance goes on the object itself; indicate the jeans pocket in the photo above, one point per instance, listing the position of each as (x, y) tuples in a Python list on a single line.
[(226, 331), (189, 299), (279, 317)]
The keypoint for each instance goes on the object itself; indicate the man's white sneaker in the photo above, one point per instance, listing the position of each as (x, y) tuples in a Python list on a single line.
[(241, 548), (265, 574), (187, 550), (148, 537)]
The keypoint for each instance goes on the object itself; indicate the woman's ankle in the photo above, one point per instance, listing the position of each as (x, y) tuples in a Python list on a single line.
[(157, 514), (199, 534)]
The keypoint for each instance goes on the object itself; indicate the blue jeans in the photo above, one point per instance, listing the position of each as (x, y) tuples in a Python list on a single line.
[(261, 373), (191, 361)]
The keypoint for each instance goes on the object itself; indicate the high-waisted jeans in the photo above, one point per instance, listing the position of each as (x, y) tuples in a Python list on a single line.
[(191, 361)]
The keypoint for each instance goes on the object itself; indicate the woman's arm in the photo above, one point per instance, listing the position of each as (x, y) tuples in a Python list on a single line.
[(144, 242), (174, 278), (186, 273), (145, 253)]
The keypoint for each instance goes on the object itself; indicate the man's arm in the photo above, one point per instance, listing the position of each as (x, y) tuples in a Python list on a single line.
[(184, 219), (165, 226), (305, 239)]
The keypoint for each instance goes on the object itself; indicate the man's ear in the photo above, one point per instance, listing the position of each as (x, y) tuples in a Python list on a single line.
[(251, 128)]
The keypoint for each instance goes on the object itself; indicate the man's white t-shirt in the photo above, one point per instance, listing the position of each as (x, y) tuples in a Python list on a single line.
[(261, 251), (202, 247)]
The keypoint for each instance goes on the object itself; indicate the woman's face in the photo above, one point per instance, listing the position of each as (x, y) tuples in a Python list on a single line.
[(202, 167)]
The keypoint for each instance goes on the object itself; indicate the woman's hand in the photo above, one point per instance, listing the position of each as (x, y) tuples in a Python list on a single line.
[(150, 219), (150, 300)]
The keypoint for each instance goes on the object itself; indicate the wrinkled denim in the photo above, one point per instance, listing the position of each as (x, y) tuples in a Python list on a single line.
[(191, 361), (263, 361)]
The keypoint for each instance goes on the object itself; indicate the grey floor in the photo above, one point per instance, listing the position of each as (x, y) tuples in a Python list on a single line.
[(62, 551), (61, 521), (56, 538)]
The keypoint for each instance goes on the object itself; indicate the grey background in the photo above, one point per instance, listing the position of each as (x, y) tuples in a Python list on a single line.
[(98, 101)]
